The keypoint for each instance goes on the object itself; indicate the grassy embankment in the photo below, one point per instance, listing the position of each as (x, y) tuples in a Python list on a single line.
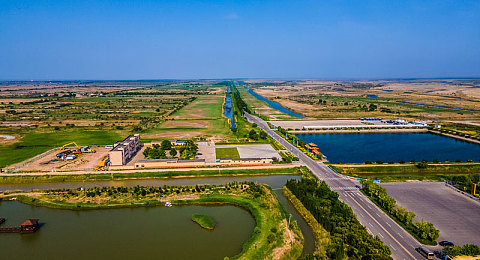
[(204, 221), (409, 172), (322, 237), (271, 238), (227, 153), (28, 179)]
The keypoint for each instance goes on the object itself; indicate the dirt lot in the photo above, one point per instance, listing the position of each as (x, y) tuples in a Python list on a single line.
[(176, 134), (82, 162), (192, 123)]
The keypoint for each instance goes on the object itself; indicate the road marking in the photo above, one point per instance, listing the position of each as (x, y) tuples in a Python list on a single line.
[(388, 224), (377, 214), (410, 254), (401, 236), (370, 224), (362, 215), (369, 207), (380, 234), (393, 248)]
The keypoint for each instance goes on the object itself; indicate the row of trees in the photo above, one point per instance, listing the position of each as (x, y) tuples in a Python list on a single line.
[(348, 238), (424, 230), (469, 249)]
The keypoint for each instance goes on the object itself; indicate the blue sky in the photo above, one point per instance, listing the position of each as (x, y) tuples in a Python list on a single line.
[(238, 39)]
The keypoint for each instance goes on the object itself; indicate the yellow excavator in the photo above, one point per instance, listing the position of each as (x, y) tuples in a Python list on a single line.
[(65, 145)]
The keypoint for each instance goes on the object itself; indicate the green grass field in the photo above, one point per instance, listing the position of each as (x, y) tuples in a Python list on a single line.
[(34, 143), (227, 153)]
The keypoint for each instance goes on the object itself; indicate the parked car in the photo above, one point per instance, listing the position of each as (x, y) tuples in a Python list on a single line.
[(446, 243)]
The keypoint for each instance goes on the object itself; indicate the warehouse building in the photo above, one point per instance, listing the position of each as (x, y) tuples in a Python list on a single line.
[(124, 151)]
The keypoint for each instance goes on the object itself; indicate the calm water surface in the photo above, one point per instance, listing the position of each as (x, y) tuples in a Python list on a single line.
[(274, 104), (358, 148), (129, 233), (275, 182)]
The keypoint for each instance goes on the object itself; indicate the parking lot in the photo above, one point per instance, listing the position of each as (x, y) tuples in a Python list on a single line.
[(456, 216)]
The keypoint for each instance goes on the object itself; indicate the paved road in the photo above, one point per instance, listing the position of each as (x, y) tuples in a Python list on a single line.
[(373, 218)]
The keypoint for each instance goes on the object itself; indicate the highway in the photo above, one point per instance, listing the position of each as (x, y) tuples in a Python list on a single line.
[(373, 218)]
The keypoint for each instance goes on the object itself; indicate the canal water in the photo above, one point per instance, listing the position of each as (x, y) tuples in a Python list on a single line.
[(129, 233), (358, 148), (229, 109), (274, 104), (275, 182)]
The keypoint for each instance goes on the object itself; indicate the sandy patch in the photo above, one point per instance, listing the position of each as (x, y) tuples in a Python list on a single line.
[(176, 134), (86, 161), (193, 123)]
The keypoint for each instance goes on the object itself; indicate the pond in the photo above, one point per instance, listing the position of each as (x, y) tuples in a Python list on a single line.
[(274, 104), (129, 233), (276, 182), (358, 148)]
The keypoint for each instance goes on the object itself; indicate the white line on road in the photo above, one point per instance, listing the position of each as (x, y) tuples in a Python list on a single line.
[(370, 224), (388, 224), (380, 234), (400, 235), (393, 248)]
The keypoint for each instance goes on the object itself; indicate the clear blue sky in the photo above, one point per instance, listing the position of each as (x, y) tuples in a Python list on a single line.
[(231, 39)]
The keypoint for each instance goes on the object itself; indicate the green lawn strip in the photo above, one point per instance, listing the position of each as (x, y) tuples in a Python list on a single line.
[(322, 237), (227, 153), (24, 179), (269, 233), (409, 172), (204, 221), (34, 143)]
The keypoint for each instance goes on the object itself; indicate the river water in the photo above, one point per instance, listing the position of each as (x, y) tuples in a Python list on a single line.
[(274, 104), (66, 224)]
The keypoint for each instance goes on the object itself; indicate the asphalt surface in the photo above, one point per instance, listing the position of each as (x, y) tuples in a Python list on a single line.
[(373, 218), (455, 215)]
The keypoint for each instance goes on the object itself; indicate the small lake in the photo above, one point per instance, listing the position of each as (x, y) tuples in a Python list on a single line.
[(276, 182), (228, 109), (274, 104), (358, 148), (129, 233)]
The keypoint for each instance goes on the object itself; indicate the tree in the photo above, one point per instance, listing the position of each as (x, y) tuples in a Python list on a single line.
[(253, 135), (173, 152), (263, 135), (166, 145)]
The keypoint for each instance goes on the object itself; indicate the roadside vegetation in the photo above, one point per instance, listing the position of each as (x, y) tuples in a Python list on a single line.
[(348, 238), (273, 236), (466, 250), (423, 231), (417, 171)]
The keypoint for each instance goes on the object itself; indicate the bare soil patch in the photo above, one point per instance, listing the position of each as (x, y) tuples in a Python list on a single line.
[(86, 161), (176, 134), (179, 123)]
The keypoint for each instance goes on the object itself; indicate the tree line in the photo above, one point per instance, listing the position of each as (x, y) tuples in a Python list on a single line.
[(423, 230), (348, 238)]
